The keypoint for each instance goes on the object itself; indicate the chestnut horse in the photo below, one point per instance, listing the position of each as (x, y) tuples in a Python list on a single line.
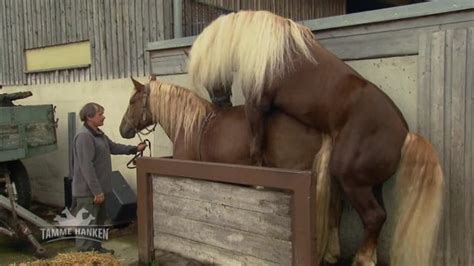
[(281, 66), (201, 131)]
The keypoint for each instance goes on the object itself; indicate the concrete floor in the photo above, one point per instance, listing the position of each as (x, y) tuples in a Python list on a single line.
[(122, 240)]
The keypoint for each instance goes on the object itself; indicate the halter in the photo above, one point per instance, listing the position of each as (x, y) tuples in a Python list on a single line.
[(139, 133)]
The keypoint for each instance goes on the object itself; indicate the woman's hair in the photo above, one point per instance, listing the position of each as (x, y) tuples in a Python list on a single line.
[(89, 110)]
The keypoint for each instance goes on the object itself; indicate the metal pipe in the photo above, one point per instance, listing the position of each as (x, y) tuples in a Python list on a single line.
[(178, 18), (71, 130)]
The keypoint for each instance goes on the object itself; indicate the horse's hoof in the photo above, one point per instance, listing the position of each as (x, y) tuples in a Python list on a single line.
[(363, 261), (330, 258)]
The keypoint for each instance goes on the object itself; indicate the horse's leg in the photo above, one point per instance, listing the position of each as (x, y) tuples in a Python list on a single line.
[(373, 217), (333, 251)]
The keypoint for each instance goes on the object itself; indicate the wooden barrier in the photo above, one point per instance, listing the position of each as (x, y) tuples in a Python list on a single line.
[(212, 213)]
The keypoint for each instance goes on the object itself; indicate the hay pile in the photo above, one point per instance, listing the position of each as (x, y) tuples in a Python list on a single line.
[(76, 258)]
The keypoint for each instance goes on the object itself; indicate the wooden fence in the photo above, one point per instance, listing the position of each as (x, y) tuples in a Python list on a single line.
[(185, 207)]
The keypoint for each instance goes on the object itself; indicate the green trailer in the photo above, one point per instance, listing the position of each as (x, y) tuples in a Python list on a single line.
[(25, 131)]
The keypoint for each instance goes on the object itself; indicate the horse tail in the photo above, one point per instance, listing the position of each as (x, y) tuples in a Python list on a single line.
[(323, 196), (419, 188)]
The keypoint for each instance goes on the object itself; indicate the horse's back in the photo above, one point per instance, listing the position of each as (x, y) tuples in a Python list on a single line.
[(288, 143)]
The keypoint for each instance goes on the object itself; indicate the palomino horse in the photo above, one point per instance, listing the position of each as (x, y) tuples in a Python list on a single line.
[(201, 131), (280, 66)]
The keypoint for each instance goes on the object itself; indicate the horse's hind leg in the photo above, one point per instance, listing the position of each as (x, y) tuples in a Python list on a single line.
[(373, 217), (333, 251)]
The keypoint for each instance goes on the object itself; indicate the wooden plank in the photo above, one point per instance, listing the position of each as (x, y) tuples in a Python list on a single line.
[(64, 30), (145, 217), (15, 31), (102, 41), (424, 83), (73, 35), (69, 21), (457, 143), (120, 42), (21, 44), (49, 76), (26, 13), (10, 64), (85, 35), (160, 20), (92, 37), (343, 26), (469, 147), (108, 40), (146, 36), (139, 37), (385, 44), (270, 225), (2, 51), (2, 46), (169, 62), (167, 19), (126, 40), (31, 21), (48, 22), (57, 21), (245, 198), (153, 22), (52, 21), (114, 39), (240, 242), (205, 253), (132, 37), (62, 6), (437, 87), (78, 20)]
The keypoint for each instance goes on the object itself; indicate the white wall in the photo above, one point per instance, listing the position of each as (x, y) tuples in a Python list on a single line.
[(47, 171)]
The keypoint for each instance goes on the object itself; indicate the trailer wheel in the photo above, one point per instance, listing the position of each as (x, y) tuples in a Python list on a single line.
[(20, 179)]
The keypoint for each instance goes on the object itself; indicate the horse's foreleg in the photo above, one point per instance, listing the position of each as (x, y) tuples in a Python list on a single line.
[(373, 217), (256, 120)]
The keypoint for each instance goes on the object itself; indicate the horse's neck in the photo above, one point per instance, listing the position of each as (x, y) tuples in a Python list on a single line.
[(179, 112)]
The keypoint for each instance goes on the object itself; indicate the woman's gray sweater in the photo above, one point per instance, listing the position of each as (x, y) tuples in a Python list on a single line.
[(92, 162)]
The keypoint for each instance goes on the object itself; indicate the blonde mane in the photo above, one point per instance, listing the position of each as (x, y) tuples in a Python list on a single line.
[(176, 108), (251, 48)]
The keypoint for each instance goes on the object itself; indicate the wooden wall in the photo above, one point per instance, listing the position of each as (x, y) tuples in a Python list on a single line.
[(199, 13), (222, 224), (118, 30), (443, 43)]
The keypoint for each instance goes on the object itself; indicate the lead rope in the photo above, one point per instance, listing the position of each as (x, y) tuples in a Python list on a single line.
[(132, 164)]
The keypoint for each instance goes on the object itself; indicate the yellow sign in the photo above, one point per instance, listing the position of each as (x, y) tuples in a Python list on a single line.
[(65, 56)]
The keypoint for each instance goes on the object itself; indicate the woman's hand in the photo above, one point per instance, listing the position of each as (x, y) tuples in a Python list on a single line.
[(141, 147), (99, 199)]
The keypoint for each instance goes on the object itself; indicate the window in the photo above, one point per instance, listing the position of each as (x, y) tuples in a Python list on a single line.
[(64, 56)]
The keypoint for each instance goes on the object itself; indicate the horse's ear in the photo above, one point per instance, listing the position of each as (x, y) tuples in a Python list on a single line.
[(138, 86), (152, 77)]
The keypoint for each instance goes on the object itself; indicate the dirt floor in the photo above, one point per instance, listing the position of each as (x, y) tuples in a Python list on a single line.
[(122, 240)]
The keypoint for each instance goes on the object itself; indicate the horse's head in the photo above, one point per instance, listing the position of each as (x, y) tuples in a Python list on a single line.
[(138, 115)]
